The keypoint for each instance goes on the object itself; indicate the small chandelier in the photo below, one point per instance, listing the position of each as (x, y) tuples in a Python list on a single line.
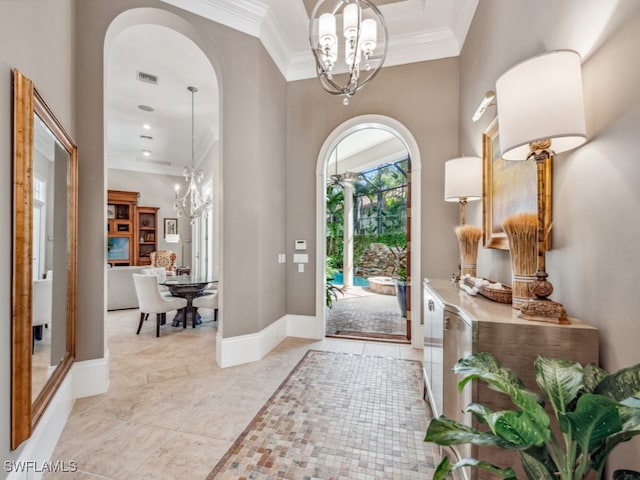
[(193, 203), (363, 54), (345, 178)]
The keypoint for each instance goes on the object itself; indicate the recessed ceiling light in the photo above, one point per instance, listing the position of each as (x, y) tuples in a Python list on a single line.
[(145, 108), (146, 153), (146, 126)]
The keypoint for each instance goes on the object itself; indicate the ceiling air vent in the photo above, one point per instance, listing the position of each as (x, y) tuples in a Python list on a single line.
[(147, 77)]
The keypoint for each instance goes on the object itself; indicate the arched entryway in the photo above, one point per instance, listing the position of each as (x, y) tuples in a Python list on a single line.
[(395, 128), (148, 38)]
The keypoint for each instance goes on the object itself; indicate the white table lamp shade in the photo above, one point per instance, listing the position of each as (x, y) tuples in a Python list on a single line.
[(463, 179), (541, 98)]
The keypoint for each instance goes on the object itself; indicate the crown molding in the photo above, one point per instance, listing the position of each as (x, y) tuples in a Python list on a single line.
[(258, 19), (243, 15)]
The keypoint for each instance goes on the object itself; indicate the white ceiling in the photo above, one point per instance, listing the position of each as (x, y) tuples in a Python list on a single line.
[(419, 30)]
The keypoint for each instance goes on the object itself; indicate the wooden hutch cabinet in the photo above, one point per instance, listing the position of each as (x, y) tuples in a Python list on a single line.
[(147, 234), (121, 210), (132, 231)]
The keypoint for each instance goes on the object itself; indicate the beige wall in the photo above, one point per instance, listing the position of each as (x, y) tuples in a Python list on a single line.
[(36, 38), (595, 193), (424, 98)]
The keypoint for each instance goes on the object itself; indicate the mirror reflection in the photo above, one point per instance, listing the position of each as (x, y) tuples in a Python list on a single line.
[(50, 245), (44, 227)]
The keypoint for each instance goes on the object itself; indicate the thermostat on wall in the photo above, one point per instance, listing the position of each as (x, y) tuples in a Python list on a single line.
[(301, 244)]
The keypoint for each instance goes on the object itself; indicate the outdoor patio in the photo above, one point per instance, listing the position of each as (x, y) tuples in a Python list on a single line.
[(363, 313)]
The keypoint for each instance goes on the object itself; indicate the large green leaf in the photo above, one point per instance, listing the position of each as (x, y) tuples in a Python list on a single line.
[(506, 473), (630, 418), (594, 419), (444, 431), (443, 469), (593, 375), (534, 468), (486, 367), (518, 428), (560, 381), (621, 385), (599, 457), (478, 411)]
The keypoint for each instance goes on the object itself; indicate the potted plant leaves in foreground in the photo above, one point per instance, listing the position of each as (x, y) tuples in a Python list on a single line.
[(595, 411)]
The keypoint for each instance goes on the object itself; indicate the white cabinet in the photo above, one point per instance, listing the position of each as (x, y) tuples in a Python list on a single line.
[(433, 343), (457, 324)]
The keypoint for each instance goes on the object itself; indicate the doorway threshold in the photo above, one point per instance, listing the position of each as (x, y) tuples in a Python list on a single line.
[(371, 337)]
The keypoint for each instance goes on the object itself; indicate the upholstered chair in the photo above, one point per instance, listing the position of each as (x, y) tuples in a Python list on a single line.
[(209, 301), (151, 301), (164, 258)]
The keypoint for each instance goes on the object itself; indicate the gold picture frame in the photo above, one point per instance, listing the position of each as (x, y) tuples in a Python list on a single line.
[(509, 187)]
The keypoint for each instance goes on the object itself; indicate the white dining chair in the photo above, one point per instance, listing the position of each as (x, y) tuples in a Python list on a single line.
[(209, 301), (41, 306), (161, 274), (151, 301)]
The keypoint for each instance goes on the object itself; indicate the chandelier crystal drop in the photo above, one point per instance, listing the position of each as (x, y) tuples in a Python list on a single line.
[(193, 204), (364, 33)]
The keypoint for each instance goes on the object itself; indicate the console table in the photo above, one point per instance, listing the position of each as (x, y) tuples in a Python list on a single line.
[(457, 324)]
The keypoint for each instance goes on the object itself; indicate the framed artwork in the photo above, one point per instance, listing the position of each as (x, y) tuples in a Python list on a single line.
[(170, 226), (111, 211), (118, 248), (509, 187)]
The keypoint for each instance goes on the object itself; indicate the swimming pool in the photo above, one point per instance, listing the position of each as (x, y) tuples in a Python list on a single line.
[(357, 281)]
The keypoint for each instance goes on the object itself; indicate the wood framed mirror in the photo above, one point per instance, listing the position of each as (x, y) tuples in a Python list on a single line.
[(45, 190)]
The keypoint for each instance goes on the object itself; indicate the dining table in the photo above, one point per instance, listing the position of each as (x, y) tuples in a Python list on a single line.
[(188, 287)]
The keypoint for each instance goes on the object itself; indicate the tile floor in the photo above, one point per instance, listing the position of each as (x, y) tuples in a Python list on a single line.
[(338, 416), (361, 311), (170, 411)]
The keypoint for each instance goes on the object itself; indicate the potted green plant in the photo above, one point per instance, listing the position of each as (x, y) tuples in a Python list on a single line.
[(594, 411), (331, 289), (400, 276)]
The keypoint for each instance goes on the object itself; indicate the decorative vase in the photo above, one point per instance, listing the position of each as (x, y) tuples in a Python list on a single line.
[(468, 237), (521, 230)]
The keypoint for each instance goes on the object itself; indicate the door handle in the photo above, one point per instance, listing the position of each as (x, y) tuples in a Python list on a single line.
[(431, 306)]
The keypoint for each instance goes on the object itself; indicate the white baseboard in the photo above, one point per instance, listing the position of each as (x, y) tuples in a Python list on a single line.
[(37, 450), (304, 326), (91, 377), (252, 347), (84, 379)]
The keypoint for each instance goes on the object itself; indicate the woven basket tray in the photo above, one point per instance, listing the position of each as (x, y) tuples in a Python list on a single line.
[(500, 295)]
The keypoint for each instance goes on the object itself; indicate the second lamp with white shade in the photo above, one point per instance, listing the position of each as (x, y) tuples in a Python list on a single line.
[(462, 184)]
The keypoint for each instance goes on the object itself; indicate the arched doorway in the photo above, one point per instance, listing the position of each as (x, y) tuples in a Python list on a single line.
[(394, 127), (163, 55)]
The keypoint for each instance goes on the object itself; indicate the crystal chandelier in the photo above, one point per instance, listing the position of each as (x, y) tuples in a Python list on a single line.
[(364, 53), (193, 203)]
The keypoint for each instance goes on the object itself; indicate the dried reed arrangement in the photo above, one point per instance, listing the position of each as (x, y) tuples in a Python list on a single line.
[(468, 237), (521, 230)]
